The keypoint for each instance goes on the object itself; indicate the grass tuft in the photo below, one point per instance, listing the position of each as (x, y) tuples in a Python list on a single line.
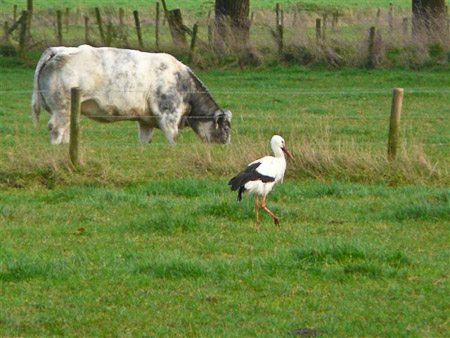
[(335, 260), (175, 269), (433, 208)]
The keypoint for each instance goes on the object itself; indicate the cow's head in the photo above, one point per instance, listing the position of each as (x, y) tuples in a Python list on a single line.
[(214, 129), (220, 128), (59, 130)]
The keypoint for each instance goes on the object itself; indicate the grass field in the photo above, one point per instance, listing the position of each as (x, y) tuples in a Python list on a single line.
[(149, 241)]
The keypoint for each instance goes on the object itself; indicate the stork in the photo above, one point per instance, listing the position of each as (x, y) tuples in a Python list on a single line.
[(261, 175)]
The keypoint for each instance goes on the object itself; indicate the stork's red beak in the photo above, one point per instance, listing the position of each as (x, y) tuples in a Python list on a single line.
[(287, 152)]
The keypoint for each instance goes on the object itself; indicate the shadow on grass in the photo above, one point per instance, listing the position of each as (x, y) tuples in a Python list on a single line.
[(335, 260), (436, 207)]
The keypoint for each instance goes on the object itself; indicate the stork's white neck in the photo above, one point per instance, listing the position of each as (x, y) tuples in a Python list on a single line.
[(277, 152)]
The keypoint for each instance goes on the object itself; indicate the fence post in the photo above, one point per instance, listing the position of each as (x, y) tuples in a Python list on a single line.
[(279, 28), (67, 19), (324, 27), (194, 38), (23, 32), (121, 14), (391, 18), (109, 34), (138, 28), (335, 21), (75, 96), (157, 27), (86, 30), (15, 13), (100, 25), (28, 22), (318, 30), (175, 20), (394, 123), (122, 26), (371, 59), (210, 33), (405, 26), (59, 27), (6, 33)]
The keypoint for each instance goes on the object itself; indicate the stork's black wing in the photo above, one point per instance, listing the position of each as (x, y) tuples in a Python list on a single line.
[(249, 174)]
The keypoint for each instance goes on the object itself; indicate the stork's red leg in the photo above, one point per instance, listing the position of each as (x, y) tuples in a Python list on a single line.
[(275, 218), (257, 211)]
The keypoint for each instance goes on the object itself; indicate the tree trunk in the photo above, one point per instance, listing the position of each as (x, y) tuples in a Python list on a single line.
[(232, 22), (428, 15)]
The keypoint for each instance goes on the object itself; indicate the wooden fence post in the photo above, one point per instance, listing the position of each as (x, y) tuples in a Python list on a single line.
[(123, 27), (391, 18), (75, 96), (28, 22), (324, 27), (371, 58), (15, 13), (59, 27), (405, 26), (67, 19), (138, 28), (157, 27), (210, 33), (194, 38), (318, 30), (394, 123), (175, 21), (121, 15), (334, 21), (23, 33), (279, 28), (100, 25), (86, 30), (109, 34), (6, 33)]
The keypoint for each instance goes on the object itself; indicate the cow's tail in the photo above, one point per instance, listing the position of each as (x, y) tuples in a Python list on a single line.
[(35, 104)]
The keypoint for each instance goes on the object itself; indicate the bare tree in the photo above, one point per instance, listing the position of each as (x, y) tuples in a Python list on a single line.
[(232, 22)]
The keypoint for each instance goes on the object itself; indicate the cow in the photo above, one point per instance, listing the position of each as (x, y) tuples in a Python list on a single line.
[(154, 89)]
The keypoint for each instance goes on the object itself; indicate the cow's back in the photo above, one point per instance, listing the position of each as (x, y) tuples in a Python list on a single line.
[(113, 82)]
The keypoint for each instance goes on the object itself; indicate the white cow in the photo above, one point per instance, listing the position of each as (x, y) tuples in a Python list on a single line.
[(156, 90)]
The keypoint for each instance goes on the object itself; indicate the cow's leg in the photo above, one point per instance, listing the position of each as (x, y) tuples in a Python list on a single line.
[(145, 132), (58, 126)]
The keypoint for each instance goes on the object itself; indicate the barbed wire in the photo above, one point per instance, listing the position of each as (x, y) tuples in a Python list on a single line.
[(376, 92), (261, 117), (134, 142)]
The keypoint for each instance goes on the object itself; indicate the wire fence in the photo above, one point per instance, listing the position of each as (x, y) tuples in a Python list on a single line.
[(246, 92)]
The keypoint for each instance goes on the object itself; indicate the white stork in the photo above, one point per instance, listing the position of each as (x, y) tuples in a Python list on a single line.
[(261, 175)]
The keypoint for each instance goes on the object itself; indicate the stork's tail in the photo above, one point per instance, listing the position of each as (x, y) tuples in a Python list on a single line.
[(238, 182), (35, 104)]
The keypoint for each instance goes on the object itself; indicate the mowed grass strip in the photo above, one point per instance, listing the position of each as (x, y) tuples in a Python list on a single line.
[(180, 257)]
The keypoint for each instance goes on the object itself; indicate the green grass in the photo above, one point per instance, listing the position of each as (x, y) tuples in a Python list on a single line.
[(149, 241), (336, 124), (104, 261)]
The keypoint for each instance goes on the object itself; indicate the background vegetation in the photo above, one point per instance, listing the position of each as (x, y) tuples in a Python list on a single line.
[(344, 25)]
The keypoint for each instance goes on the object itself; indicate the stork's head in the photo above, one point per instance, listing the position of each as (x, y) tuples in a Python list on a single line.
[(277, 143)]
